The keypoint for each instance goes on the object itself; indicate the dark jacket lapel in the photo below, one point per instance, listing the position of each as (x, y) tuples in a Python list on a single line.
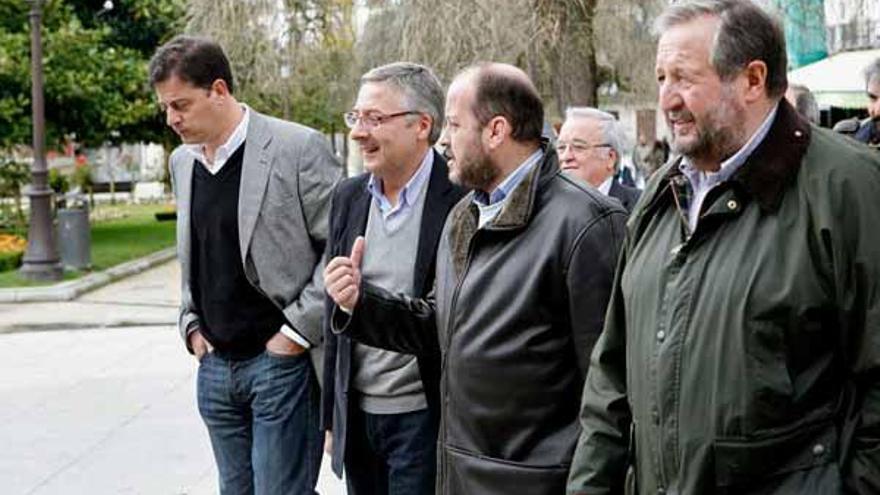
[(439, 200), (358, 213)]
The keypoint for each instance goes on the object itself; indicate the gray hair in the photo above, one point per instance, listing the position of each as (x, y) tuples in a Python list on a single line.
[(420, 87), (612, 132), (747, 33), (872, 71), (805, 102)]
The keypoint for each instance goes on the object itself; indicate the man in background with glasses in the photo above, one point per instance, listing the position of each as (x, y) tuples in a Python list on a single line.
[(590, 146), (253, 199), (382, 407), (869, 130)]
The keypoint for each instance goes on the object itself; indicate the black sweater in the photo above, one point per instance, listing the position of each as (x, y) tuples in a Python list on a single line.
[(236, 318)]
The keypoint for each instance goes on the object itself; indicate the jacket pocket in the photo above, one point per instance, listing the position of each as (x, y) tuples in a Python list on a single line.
[(801, 461), (470, 473), (767, 365)]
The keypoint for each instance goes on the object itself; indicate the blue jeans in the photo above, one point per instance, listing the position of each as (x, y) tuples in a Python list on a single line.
[(393, 454), (262, 417)]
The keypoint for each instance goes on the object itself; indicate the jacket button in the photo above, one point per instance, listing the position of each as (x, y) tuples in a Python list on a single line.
[(731, 205), (661, 335), (818, 449), (798, 133), (661, 491)]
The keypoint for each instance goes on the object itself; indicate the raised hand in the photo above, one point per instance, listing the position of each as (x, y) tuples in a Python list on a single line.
[(342, 277)]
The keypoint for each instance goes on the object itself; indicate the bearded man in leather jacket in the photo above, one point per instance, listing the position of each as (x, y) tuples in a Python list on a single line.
[(523, 271)]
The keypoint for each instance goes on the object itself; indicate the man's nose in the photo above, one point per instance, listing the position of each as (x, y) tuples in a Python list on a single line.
[(443, 141), (566, 153), (358, 132), (171, 117), (668, 98)]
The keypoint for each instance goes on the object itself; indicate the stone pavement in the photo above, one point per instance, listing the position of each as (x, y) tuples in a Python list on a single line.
[(99, 396), (147, 299)]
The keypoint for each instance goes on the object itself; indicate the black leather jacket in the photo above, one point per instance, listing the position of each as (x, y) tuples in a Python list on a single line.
[(516, 309)]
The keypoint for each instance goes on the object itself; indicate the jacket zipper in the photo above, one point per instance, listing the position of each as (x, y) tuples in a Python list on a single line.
[(449, 319)]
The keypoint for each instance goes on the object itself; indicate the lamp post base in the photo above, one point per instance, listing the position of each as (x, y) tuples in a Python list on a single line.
[(41, 260), (44, 272)]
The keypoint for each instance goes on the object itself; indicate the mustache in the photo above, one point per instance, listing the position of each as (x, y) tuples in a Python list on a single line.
[(447, 153), (679, 115)]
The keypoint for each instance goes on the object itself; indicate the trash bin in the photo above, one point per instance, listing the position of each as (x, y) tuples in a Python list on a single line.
[(74, 237)]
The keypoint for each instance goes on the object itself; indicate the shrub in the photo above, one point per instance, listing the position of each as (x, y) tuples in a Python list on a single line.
[(58, 181), (11, 251)]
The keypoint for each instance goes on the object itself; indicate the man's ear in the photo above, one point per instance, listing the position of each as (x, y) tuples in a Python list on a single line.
[(499, 129), (755, 75), (425, 124), (220, 88), (613, 158)]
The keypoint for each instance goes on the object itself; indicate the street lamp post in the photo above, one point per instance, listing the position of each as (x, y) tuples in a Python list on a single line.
[(41, 261)]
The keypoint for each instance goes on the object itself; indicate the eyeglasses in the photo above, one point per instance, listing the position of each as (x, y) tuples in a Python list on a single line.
[(371, 119), (578, 147)]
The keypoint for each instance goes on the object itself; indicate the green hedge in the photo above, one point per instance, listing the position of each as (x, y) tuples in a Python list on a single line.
[(10, 261)]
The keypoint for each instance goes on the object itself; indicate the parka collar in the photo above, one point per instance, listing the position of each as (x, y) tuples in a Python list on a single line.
[(777, 160), (771, 167)]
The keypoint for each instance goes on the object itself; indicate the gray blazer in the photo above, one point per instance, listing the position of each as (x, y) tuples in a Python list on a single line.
[(287, 179)]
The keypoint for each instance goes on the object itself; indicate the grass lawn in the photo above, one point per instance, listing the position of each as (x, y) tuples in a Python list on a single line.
[(119, 234)]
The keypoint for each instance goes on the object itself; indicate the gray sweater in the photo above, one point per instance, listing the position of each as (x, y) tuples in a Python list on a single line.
[(389, 382)]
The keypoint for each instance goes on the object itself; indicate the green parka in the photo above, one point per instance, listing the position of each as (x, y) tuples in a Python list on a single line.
[(745, 359)]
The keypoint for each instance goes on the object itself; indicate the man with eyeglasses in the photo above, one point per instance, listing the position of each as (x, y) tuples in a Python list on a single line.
[(253, 199), (523, 272), (590, 147), (869, 130), (382, 407)]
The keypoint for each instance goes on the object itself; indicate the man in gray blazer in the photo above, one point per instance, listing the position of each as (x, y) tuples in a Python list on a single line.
[(253, 197)]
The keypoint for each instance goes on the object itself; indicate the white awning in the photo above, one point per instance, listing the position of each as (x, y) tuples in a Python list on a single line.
[(837, 80)]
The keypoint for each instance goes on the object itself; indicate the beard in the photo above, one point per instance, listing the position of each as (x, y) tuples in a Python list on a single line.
[(474, 173), (717, 137)]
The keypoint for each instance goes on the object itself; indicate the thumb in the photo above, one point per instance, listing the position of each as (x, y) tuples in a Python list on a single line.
[(357, 252)]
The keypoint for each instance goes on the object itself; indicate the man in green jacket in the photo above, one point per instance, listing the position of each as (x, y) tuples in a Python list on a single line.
[(741, 349)]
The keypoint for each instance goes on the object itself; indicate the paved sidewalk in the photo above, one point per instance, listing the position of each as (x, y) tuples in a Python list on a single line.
[(108, 409), (72, 289), (146, 299)]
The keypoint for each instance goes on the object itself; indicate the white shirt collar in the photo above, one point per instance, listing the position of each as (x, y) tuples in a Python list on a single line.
[(408, 196), (605, 187), (221, 156)]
